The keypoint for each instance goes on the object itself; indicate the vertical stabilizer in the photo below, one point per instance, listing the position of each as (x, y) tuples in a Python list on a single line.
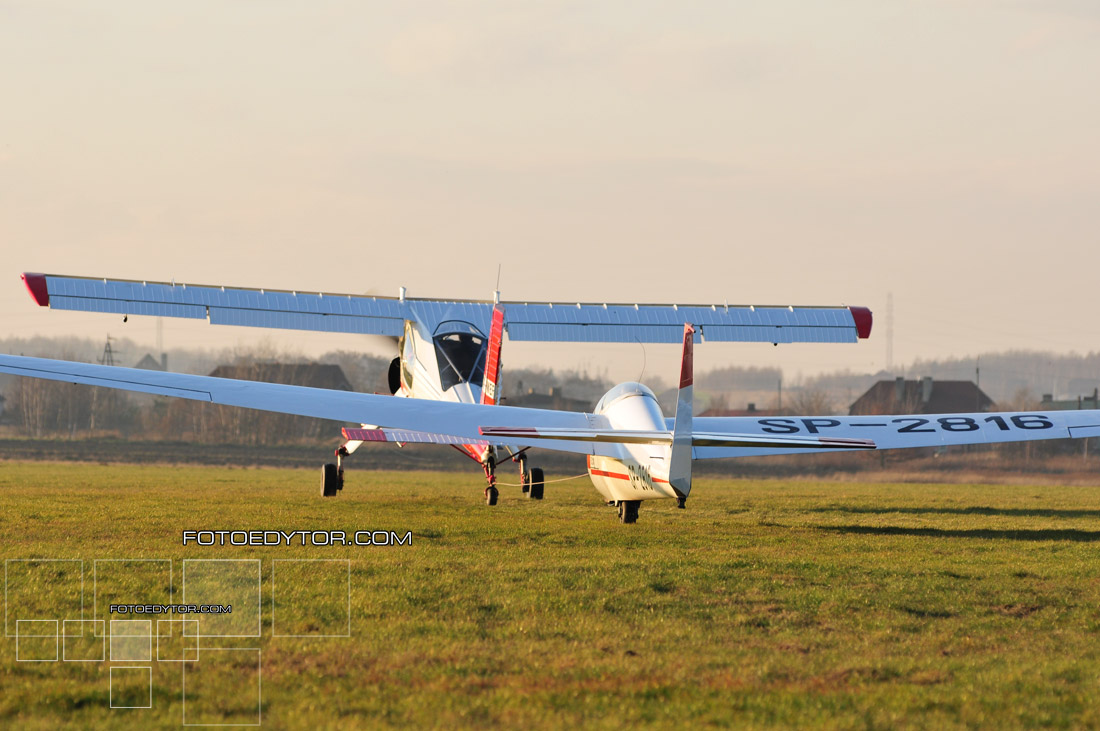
[(490, 387), (679, 469)]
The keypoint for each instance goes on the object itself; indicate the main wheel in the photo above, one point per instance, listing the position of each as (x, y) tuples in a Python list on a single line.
[(330, 480), (628, 511), (393, 378), (491, 495), (536, 483)]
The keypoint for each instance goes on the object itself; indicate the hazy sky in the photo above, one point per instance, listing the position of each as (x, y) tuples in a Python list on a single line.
[(766, 153)]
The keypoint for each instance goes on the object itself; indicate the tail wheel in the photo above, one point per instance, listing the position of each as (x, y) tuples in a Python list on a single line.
[(330, 480), (628, 511), (535, 484)]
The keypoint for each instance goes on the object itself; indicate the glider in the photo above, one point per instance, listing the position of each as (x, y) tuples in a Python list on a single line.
[(634, 453)]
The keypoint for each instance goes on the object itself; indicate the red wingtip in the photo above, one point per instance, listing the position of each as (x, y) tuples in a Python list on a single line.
[(36, 285), (863, 319)]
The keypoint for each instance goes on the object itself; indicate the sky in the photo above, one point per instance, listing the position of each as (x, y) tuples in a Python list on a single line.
[(945, 152)]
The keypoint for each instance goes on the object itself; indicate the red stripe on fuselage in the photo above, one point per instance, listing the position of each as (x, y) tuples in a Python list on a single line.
[(613, 475), (620, 476)]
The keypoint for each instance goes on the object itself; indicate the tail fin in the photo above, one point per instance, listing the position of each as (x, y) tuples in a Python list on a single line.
[(679, 469), (490, 386)]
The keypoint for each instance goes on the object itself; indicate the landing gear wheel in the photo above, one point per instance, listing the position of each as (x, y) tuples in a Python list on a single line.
[(330, 480), (490, 467), (341, 455), (535, 484), (524, 475), (491, 495), (628, 511)]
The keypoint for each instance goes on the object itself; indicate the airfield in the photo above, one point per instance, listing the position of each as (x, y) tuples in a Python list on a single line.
[(840, 603)]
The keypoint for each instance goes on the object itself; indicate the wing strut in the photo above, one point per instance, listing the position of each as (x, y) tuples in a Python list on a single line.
[(679, 469), (490, 387)]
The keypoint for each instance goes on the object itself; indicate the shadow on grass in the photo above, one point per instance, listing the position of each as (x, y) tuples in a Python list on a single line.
[(1082, 536), (975, 510)]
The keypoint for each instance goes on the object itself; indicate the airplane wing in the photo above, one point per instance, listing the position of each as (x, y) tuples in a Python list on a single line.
[(533, 321), (902, 431), (398, 419)]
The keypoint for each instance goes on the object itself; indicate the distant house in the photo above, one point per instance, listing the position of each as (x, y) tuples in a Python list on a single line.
[(750, 410), (314, 375), (925, 396), (553, 400), (150, 363), (1081, 402)]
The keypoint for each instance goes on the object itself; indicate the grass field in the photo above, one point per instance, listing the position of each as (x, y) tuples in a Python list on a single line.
[(764, 604)]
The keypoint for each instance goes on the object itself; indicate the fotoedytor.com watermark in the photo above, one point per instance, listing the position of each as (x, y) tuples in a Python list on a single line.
[(171, 609), (296, 538)]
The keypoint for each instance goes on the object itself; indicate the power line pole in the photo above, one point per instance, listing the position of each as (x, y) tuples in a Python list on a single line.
[(108, 354), (107, 359), (889, 332)]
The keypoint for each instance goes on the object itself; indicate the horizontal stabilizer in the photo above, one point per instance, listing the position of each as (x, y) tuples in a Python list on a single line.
[(630, 436), (618, 436), (702, 439)]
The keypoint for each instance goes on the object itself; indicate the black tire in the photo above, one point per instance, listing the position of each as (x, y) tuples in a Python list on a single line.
[(491, 495), (537, 483), (393, 378), (330, 480), (628, 511)]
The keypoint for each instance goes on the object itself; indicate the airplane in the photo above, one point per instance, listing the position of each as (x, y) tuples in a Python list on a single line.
[(448, 350), (633, 452)]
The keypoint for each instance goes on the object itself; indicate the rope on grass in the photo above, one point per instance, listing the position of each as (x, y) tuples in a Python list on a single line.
[(545, 482)]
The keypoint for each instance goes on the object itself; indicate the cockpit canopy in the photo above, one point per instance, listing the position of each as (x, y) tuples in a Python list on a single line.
[(460, 351), (623, 390)]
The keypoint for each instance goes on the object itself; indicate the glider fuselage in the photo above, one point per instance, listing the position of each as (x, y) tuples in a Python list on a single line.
[(638, 471)]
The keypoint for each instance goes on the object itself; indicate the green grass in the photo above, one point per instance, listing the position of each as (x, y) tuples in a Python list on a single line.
[(764, 604)]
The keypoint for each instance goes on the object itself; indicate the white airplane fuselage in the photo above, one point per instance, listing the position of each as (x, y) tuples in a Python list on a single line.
[(637, 471), (428, 372)]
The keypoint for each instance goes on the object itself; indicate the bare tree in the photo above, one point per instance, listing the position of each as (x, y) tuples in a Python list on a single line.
[(811, 402)]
